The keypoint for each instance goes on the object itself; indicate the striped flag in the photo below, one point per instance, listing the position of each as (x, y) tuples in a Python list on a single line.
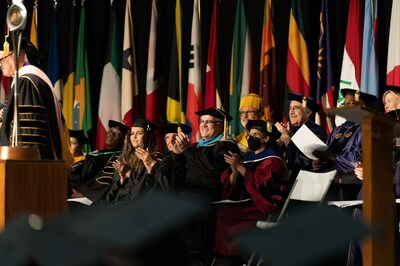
[(241, 65), (393, 64), (110, 90), (194, 94), (82, 104), (129, 85), (175, 110), (369, 62), (268, 83), (34, 26), (212, 96), (352, 56), (297, 67), (53, 67), (69, 84), (325, 81)]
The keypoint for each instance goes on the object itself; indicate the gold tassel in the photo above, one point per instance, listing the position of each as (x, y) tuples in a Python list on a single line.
[(6, 47), (304, 102), (269, 127), (357, 96), (179, 129)]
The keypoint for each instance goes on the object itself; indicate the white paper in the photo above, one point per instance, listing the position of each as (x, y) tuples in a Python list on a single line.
[(306, 141), (349, 203), (82, 200), (230, 201)]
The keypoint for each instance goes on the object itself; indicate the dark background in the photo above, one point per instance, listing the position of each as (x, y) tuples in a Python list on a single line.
[(98, 16)]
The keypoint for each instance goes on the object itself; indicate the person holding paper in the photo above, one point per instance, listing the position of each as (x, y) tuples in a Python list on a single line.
[(301, 109), (261, 176), (344, 150)]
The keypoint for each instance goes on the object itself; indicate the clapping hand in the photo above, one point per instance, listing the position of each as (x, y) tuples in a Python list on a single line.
[(123, 170)]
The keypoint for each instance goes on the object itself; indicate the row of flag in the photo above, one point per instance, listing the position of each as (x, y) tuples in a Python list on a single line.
[(178, 102)]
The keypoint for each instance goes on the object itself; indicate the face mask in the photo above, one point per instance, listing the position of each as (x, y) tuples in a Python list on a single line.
[(254, 143)]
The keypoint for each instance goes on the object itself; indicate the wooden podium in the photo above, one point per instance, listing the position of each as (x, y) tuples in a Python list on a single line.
[(379, 205), (32, 186)]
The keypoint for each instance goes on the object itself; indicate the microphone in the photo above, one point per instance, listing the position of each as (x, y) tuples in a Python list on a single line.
[(16, 16)]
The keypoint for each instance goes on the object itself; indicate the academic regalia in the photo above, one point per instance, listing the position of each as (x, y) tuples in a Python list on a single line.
[(39, 114), (170, 172), (264, 183)]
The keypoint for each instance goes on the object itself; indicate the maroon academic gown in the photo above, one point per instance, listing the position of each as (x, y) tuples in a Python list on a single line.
[(264, 184)]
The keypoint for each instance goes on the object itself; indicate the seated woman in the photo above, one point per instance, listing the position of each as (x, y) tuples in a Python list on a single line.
[(134, 175), (261, 177)]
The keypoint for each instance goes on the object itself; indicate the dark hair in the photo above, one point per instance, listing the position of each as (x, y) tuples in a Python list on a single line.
[(128, 151)]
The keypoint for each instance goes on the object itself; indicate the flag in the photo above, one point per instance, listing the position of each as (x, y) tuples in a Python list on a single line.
[(212, 96), (69, 87), (175, 111), (110, 89), (34, 26), (352, 56), (393, 64), (82, 104), (325, 81), (53, 67), (241, 65), (194, 94), (369, 62), (268, 83), (297, 67), (129, 86)]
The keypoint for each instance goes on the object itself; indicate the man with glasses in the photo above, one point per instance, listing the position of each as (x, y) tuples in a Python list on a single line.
[(40, 115), (205, 163)]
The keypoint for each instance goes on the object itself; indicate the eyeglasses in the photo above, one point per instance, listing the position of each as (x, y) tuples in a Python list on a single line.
[(2, 60), (201, 121), (247, 113)]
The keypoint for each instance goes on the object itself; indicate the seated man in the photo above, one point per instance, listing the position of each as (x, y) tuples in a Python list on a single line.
[(97, 174)]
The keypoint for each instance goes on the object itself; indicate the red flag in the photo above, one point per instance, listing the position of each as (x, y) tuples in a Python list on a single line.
[(393, 64)]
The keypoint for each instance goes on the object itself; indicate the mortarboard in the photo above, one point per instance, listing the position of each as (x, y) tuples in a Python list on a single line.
[(144, 123), (215, 112), (367, 98), (305, 101), (264, 126), (175, 128), (252, 100), (309, 236), (123, 128), (34, 56), (79, 135)]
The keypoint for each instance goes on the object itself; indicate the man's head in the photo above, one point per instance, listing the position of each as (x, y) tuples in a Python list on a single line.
[(301, 108), (251, 108), (116, 134), (355, 97), (212, 122), (77, 139), (170, 132)]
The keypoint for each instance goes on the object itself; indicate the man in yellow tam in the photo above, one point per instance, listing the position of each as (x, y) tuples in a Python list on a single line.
[(251, 107)]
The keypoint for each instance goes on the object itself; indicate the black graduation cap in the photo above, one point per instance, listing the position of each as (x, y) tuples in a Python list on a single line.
[(34, 56), (123, 128), (144, 123), (309, 236), (215, 112), (175, 128), (311, 103), (79, 135), (7, 41), (367, 98), (264, 126)]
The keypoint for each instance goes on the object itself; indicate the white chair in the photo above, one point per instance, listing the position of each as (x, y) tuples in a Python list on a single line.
[(308, 186)]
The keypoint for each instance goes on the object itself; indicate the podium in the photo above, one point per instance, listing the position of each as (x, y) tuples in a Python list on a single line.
[(32, 186), (379, 203)]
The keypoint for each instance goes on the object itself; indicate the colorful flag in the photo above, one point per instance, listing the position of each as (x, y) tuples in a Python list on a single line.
[(212, 95), (53, 67), (393, 64), (325, 81), (34, 26), (241, 65), (297, 67), (69, 87), (129, 86), (175, 110), (369, 62), (268, 83), (82, 103), (194, 94), (352, 56), (110, 90)]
